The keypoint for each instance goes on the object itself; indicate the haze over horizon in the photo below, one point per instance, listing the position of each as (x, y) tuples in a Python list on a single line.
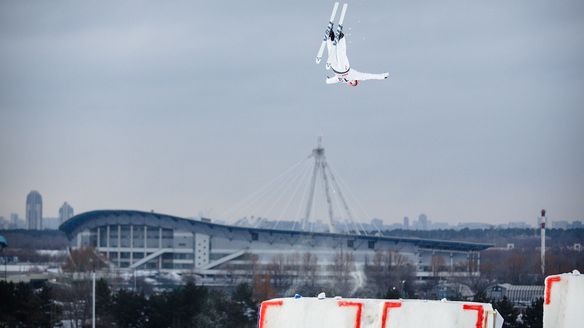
[(188, 107)]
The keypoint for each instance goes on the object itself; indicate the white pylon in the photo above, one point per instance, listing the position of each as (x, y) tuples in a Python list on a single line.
[(321, 170), (542, 226)]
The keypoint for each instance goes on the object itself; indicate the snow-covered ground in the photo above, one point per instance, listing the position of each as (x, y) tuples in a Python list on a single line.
[(25, 267), (52, 252)]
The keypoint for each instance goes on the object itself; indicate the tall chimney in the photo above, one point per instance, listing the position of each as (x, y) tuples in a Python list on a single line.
[(543, 222)]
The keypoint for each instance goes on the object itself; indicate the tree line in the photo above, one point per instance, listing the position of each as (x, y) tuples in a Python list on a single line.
[(59, 305)]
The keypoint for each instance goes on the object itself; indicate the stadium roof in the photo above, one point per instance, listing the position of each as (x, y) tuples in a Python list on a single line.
[(78, 220)]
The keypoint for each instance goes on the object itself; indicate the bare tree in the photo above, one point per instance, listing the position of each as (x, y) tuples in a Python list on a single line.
[(293, 268), (388, 270), (84, 259), (310, 269), (437, 264), (262, 287), (279, 273), (76, 300), (342, 269)]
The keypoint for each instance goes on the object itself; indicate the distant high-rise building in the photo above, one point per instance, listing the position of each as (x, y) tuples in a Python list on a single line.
[(34, 211), (518, 225), (65, 212), (576, 225), (377, 223), (560, 224), (406, 223), (438, 225), (423, 222), (15, 222), (51, 223)]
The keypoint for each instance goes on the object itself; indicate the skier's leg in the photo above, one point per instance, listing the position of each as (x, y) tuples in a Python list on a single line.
[(368, 76), (332, 53), (330, 47), (342, 59)]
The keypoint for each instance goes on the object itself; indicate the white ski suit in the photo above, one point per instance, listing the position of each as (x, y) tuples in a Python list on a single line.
[(339, 63)]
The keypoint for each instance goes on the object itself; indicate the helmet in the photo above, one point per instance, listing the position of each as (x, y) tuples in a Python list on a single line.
[(353, 83)]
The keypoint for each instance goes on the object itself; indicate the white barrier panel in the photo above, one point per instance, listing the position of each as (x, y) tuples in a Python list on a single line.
[(563, 305), (371, 313)]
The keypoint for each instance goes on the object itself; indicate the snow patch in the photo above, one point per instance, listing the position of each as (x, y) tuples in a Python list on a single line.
[(52, 252)]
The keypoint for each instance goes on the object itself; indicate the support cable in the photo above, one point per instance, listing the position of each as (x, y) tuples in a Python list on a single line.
[(300, 183), (278, 193), (343, 184), (290, 182), (246, 202)]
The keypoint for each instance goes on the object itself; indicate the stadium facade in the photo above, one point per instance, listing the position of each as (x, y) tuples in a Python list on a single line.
[(135, 240)]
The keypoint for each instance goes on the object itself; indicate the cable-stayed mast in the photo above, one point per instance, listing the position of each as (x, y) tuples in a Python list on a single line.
[(318, 154), (321, 170), (315, 194)]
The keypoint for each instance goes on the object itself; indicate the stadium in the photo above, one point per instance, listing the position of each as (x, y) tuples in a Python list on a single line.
[(135, 240)]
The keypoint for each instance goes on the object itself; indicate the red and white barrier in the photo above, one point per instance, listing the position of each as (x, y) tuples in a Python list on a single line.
[(563, 305), (373, 313)]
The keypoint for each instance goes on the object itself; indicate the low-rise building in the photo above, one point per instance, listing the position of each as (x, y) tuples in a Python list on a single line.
[(521, 295)]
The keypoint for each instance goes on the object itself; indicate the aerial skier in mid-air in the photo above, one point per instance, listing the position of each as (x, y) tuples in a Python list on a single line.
[(337, 55)]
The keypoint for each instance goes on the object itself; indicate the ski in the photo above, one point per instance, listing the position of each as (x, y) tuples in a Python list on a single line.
[(327, 31), (341, 20)]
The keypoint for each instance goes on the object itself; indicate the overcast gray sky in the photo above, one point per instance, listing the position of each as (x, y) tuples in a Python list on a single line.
[(186, 107)]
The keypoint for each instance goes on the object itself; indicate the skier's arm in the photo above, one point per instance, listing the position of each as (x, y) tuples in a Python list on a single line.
[(356, 75), (332, 80)]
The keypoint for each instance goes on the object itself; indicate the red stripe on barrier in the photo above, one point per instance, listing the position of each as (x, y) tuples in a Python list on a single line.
[(549, 281), (264, 308), (480, 315), (359, 309), (386, 307)]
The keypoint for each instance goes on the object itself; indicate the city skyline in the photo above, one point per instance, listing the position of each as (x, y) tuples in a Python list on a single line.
[(419, 222), (147, 106)]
